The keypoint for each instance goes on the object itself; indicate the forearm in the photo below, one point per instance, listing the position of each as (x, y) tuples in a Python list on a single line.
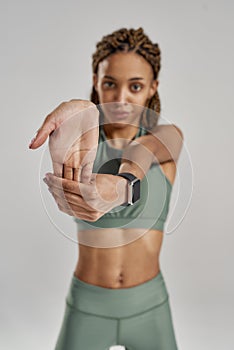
[(136, 159), (162, 145)]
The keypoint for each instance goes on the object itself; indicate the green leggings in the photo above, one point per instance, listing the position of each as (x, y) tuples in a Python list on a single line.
[(97, 318)]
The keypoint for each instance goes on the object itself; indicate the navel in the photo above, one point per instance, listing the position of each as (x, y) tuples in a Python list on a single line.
[(120, 277)]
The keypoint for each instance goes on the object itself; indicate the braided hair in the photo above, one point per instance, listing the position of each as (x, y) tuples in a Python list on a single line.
[(137, 41)]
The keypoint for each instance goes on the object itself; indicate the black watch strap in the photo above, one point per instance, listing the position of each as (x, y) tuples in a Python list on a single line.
[(127, 176), (134, 190)]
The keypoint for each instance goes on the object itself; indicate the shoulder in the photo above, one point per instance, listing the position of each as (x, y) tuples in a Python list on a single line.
[(169, 128), (166, 128)]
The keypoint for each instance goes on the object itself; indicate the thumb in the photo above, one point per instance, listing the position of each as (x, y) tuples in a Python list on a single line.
[(41, 135)]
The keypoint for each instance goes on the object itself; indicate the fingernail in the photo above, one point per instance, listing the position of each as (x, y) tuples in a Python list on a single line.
[(34, 138), (47, 175), (45, 180), (31, 142)]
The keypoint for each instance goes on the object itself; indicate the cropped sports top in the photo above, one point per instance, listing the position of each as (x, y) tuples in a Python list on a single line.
[(150, 211)]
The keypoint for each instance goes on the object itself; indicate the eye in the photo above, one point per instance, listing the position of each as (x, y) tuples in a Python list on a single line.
[(136, 87), (108, 84)]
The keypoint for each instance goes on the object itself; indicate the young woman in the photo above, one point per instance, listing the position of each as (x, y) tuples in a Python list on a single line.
[(117, 294)]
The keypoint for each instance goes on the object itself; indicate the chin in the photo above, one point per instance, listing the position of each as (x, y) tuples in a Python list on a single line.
[(119, 125)]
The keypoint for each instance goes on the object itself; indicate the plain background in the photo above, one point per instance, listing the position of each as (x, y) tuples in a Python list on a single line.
[(46, 49)]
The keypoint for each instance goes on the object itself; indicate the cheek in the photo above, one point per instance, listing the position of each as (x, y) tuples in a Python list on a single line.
[(140, 99), (105, 96)]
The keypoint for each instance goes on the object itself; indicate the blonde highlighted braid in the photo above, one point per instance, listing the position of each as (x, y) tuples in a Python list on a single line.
[(137, 41)]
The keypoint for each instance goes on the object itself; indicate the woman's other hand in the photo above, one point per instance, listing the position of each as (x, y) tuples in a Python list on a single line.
[(88, 201)]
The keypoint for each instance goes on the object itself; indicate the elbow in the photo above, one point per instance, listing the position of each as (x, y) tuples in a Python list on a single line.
[(179, 131)]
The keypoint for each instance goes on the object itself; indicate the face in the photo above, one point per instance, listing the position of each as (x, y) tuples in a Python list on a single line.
[(124, 82)]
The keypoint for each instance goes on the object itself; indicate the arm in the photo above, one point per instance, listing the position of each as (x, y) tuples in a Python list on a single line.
[(85, 201), (167, 142), (163, 144)]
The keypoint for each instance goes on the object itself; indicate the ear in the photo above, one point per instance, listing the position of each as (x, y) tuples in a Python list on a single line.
[(95, 81), (153, 88)]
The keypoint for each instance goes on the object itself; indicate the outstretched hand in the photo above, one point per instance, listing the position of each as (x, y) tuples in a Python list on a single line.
[(73, 130)]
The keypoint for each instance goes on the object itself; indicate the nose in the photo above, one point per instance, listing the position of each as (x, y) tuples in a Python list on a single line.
[(121, 95)]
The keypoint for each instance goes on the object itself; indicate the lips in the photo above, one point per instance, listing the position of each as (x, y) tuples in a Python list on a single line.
[(119, 112), (119, 115)]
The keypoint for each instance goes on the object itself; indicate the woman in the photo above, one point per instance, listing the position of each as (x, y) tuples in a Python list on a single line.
[(117, 293)]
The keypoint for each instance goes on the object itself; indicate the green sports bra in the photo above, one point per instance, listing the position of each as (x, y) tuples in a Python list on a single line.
[(150, 211)]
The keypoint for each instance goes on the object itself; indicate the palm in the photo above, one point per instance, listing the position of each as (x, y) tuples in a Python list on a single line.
[(73, 145)]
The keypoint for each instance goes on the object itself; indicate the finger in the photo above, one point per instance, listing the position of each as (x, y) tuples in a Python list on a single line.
[(76, 162), (70, 204), (82, 154), (77, 156), (70, 197), (65, 210), (67, 172), (57, 116), (51, 122), (76, 174), (67, 197), (76, 212), (58, 169), (43, 132), (66, 185), (87, 166), (63, 206)]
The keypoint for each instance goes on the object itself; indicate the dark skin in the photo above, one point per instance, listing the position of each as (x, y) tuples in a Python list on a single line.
[(135, 259)]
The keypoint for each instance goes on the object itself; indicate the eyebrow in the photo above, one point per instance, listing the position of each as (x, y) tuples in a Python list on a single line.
[(110, 77)]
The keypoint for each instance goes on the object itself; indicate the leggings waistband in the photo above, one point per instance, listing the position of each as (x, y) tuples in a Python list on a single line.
[(117, 302)]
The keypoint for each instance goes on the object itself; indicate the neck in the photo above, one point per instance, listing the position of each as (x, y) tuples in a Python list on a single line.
[(120, 135), (126, 132)]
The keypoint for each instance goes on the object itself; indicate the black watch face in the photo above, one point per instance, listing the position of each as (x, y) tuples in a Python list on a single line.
[(136, 191)]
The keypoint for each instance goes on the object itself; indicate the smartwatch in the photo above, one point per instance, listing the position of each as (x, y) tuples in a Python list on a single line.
[(133, 188)]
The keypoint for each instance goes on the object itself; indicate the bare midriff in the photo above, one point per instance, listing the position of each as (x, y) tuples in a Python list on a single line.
[(134, 260), (118, 257)]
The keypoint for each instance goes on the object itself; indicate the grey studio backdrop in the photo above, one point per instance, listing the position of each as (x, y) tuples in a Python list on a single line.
[(46, 50)]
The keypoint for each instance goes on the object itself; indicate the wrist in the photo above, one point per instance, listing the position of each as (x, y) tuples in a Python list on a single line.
[(122, 189), (136, 169), (133, 191)]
